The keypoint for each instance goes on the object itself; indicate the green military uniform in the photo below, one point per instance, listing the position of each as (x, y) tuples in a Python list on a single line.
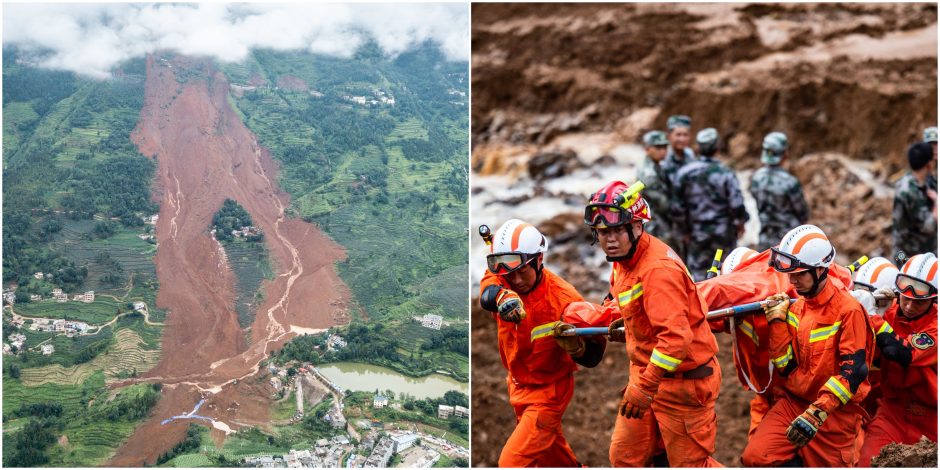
[(915, 227), (780, 204)]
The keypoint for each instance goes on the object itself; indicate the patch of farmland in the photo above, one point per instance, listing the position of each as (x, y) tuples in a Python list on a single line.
[(127, 354)]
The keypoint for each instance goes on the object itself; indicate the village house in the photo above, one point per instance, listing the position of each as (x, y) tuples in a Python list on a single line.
[(379, 401), (61, 297), (88, 297), (444, 411), (461, 412), (431, 321), (140, 306), (35, 297), (48, 349), (38, 275)]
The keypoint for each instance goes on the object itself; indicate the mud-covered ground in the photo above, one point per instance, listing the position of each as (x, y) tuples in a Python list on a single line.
[(562, 94), (922, 454)]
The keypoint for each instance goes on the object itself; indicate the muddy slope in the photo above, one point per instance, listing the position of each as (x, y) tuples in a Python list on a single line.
[(854, 79), (205, 154)]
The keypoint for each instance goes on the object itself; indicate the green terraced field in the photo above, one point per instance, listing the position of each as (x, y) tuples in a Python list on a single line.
[(249, 262), (102, 310)]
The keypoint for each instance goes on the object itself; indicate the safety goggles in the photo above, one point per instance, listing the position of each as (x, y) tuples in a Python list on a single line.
[(914, 288), (786, 263), (862, 286), (611, 215), (505, 263)]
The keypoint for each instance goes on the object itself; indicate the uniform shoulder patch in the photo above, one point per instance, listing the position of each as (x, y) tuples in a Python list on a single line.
[(922, 341)]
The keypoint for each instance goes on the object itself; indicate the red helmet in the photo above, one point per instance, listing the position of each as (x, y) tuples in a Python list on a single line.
[(616, 204)]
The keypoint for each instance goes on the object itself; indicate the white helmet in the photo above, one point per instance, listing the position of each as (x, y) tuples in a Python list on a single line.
[(735, 258), (803, 248), (877, 273), (514, 245), (918, 277)]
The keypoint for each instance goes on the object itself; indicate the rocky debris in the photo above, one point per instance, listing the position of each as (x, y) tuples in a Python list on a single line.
[(830, 75), (552, 164), (855, 212), (922, 454)]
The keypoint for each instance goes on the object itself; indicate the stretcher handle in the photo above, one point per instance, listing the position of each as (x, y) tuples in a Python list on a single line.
[(713, 315)]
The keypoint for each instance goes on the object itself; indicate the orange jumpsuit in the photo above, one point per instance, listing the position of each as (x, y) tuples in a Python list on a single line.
[(752, 281), (664, 321), (540, 379), (908, 408), (823, 352)]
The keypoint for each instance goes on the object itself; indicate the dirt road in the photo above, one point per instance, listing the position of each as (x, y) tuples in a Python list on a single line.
[(204, 155)]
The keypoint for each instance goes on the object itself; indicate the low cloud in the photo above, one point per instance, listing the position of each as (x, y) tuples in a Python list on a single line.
[(91, 39)]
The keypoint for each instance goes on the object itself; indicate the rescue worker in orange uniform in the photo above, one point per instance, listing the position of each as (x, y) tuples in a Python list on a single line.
[(873, 287), (822, 346), (674, 376), (908, 408), (527, 300)]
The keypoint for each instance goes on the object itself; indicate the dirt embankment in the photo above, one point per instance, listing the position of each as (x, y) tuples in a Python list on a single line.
[(204, 155), (562, 93), (855, 79)]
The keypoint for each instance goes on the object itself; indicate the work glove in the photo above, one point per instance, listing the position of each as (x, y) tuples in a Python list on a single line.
[(805, 426), (884, 297), (639, 395), (573, 345), (779, 310), (509, 306), (614, 332)]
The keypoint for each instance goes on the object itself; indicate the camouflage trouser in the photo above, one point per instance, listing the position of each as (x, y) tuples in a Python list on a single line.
[(702, 252)]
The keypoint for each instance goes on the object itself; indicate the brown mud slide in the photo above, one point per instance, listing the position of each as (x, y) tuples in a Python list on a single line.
[(204, 155)]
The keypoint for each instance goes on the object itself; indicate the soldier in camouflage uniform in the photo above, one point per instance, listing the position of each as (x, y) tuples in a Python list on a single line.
[(677, 155), (915, 205), (779, 195), (711, 204), (658, 191), (930, 136)]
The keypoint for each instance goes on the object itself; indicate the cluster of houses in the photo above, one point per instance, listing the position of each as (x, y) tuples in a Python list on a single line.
[(9, 296), (432, 321), (443, 411), (335, 342), (324, 454), (380, 98), (446, 411), (247, 231), (69, 327)]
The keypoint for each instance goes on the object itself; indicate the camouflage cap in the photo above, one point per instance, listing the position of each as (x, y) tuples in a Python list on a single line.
[(930, 134), (654, 138), (707, 137), (678, 120), (775, 144)]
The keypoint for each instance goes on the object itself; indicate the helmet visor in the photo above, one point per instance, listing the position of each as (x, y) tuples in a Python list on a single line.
[(785, 262), (915, 288), (609, 215), (505, 263)]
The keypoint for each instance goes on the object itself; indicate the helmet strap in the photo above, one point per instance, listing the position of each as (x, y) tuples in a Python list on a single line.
[(537, 265), (817, 280)]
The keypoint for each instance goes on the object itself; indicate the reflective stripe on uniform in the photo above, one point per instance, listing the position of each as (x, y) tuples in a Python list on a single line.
[(748, 329), (839, 390), (542, 331), (885, 328), (666, 362), (783, 360), (630, 295), (824, 333), (793, 320)]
